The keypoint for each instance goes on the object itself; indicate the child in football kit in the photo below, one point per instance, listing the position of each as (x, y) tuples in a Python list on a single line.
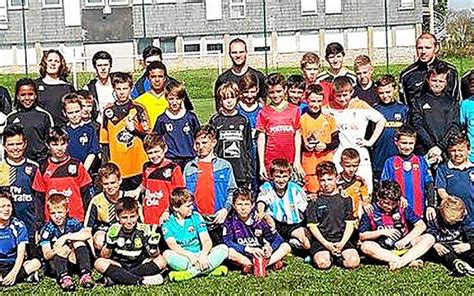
[(393, 234), (13, 240), (331, 221), (365, 86), (63, 243), (131, 255), (467, 116), (454, 243), (246, 236), (278, 125), (296, 87), (177, 125), (334, 56), (62, 174), (191, 251), (412, 173), (234, 135), (310, 64), (282, 203)]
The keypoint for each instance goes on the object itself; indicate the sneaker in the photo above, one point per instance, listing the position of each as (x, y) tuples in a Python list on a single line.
[(246, 270), (86, 281), (67, 284), (278, 265), (107, 282), (152, 280), (219, 271), (33, 278), (462, 267), (295, 244), (307, 260), (178, 276)]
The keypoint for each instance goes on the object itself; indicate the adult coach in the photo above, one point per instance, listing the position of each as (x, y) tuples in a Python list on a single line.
[(153, 54), (238, 55), (412, 79)]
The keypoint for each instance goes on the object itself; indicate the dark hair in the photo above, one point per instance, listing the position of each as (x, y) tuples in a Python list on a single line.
[(153, 140), (237, 40), (13, 130), (151, 50), (390, 190), (334, 48), (242, 193), (155, 65), (247, 81), (101, 55), (341, 83), (176, 88), (437, 69), (179, 196), (24, 82), (326, 168), (280, 165), (63, 70), (109, 169), (205, 130), (5, 193), (126, 204), (313, 89), (296, 81), (275, 79), (309, 58), (350, 154), (406, 131), (385, 80), (428, 36), (71, 98), (121, 77), (457, 139), (56, 134)]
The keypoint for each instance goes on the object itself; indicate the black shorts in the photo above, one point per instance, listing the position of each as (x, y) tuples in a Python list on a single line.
[(316, 247), (5, 269), (285, 230)]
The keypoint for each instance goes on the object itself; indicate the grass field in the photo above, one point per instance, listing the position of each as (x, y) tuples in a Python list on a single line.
[(297, 277)]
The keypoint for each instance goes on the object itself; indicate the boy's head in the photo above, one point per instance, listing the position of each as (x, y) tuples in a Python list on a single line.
[(14, 142), (72, 108), (458, 149), (122, 84), (350, 160), (280, 173), (296, 86), (314, 96), (174, 94), (388, 195), (437, 78), (58, 207), (327, 176), (276, 88), (343, 91), (248, 85), (25, 93), (363, 69), (151, 54), (181, 202), (102, 62), (335, 55), (242, 201), (87, 104), (452, 210), (204, 140), (57, 140), (127, 212), (385, 87), (110, 179), (156, 72), (155, 147), (405, 140), (228, 95), (6, 205), (310, 64)]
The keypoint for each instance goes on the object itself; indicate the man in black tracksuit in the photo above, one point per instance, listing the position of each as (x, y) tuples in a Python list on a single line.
[(413, 77)]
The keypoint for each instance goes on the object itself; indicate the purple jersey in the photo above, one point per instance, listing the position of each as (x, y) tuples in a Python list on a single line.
[(251, 233)]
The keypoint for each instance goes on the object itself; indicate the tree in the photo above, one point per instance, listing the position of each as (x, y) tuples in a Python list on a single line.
[(459, 41)]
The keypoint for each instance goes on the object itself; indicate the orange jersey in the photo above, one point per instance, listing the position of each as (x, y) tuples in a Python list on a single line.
[(357, 190)]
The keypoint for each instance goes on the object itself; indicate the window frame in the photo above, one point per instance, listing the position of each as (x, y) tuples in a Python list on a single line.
[(10, 6), (44, 5), (309, 12), (88, 4), (238, 5)]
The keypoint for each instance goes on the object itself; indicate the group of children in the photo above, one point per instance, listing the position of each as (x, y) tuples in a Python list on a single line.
[(312, 169)]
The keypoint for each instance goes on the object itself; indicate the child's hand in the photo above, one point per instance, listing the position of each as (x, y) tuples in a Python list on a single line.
[(403, 203), (368, 208), (299, 170), (257, 252), (10, 278), (440, 249), (392, 233), (402, 244), (320, 147), (312, 196), (267, 251), (363, 142), (130, 123), (338, 248), (430, 213), (220, 216), (164, 217), (461, 248), (263, 173), (202, 263), (60, 242), (260, 215)]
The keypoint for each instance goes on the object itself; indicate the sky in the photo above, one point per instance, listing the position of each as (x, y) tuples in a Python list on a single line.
[(461, 4)]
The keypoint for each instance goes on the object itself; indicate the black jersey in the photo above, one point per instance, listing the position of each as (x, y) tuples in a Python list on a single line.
[(368, 95), (50, 96)]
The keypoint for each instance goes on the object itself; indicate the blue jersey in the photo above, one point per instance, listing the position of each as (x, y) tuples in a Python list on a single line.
[(178, 131), (50, 232), (413, 175), (251, 115), (459, 182), (11, 236), (19, 177), (186, 235), (83, 140), (396, 115), (467, 120), (287, 209)]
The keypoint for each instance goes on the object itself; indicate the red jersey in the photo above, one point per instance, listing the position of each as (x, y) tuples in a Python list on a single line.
[(159, 180), (280, 127), (67, 178), (204, 196)]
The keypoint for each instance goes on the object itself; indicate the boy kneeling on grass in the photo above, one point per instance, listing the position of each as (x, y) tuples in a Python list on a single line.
[(393, 234), (248, 237), (191, 252), (13, 239), (131, 255), (63, 242)]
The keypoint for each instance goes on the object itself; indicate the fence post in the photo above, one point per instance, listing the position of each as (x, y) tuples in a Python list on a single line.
[(74, 69)]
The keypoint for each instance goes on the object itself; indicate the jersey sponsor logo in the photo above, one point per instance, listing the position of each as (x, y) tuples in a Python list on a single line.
[(125, 137), (66, 192), (72, 169), (19, 196), (231, 135), (153, 199), (248, 241), (83, 139), (231, 149), (109, 113), (282, 129)]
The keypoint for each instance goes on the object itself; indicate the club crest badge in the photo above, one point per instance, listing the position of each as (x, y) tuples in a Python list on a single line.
[(407, 166), (72, 169)]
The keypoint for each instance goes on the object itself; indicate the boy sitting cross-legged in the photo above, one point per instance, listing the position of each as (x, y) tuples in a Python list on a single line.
[(248, 237), (131, 255), (331, 222), (391, 230)]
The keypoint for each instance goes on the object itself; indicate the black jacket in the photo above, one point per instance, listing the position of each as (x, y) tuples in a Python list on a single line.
[(5, 101)]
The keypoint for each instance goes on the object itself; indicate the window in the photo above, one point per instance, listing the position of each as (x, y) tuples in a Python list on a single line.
[(237, 8), (334, 36), (16, 4), (333, 6), (213, 10), (3, 11), (357, 38), (168, 45), (308, 7), (258, 42), (286, 42), (309, 41), (214, 44), (52, 3), (72, 13), (192, 46), (379, 37), (407, 4), (118, 2), (139, 2), (405, 36), (95, 2)]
